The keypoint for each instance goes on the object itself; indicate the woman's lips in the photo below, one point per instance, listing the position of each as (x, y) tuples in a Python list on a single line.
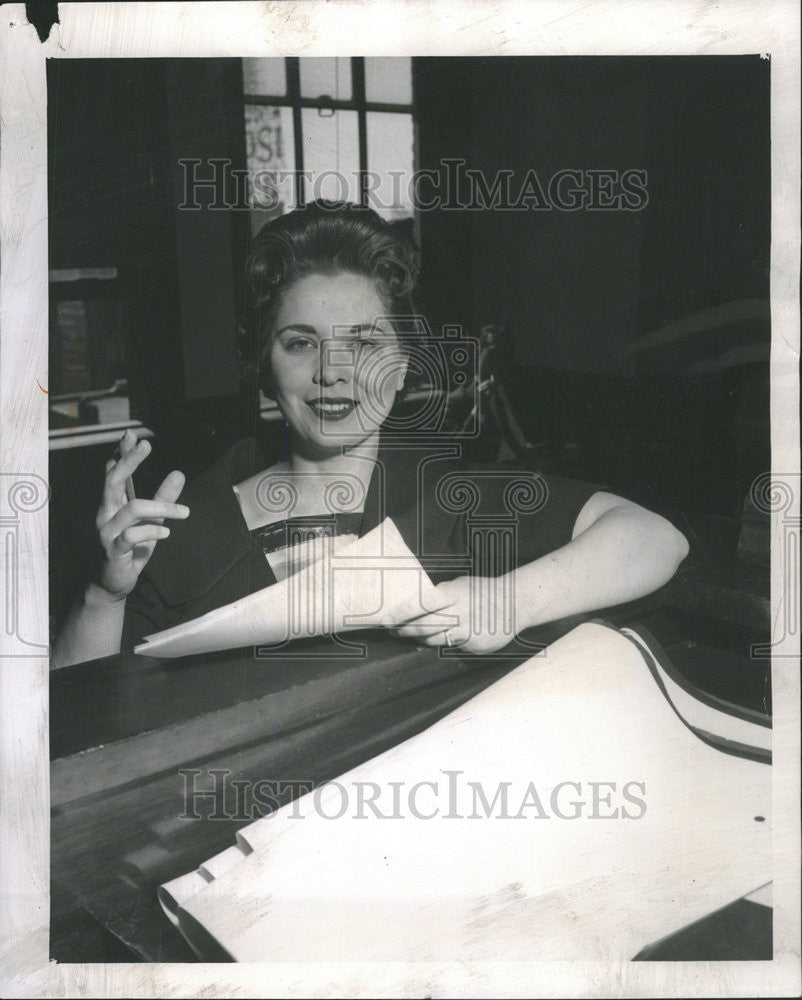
[(332, 409)]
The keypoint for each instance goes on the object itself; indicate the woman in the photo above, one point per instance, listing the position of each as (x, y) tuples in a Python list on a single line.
[(329, 338)]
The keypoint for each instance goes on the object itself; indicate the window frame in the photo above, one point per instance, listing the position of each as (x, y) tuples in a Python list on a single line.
[(358, 102)]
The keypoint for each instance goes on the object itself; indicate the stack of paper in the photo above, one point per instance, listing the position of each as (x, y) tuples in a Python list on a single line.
[(584, 806)]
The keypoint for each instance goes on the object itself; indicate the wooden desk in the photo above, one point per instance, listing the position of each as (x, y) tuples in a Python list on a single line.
[(123, 728)]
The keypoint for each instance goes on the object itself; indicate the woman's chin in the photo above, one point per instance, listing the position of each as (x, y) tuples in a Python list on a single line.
[(328, 442)]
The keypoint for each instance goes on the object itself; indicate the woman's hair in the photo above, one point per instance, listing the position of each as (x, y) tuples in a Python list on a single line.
[(324, 237)]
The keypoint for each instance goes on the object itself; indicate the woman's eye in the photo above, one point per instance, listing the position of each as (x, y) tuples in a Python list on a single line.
[(365, 344), (299, 344)]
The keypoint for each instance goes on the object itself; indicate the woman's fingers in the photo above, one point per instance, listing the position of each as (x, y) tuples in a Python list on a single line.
[(141, 510), (418, 631), (445, 637), (439, 639), (137, 535), (129, 462), (130, 529), (118, 470), (171, 487), (426, 625), (449, 625)]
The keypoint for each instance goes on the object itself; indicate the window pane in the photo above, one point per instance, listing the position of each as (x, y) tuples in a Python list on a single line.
[(331, 155), (389, 79), (326, 77), (265, 77), (391, 162), (271, 162)]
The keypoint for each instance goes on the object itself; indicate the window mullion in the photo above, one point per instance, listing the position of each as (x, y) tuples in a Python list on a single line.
[(294, 94), (358, 82)]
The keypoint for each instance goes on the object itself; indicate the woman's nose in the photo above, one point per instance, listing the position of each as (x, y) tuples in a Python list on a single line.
[(335, 363)]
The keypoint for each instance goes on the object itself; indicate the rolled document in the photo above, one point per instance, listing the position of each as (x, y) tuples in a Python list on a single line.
[(376, 581)]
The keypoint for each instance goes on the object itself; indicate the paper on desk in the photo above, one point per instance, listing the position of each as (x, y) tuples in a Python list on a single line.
[(375, 581), (602, 821)]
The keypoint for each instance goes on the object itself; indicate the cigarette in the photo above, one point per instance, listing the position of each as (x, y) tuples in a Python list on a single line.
[(130, 492)]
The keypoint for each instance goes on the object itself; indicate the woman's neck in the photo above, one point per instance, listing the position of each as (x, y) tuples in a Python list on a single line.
[(317, 485), (348, 461)]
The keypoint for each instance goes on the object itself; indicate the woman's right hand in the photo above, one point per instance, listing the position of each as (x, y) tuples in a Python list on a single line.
[(130, 529)]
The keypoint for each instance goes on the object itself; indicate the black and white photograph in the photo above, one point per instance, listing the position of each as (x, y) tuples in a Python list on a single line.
[(400, 499)]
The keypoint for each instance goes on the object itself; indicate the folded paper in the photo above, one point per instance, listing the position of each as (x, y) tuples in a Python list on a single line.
[(375, 581)]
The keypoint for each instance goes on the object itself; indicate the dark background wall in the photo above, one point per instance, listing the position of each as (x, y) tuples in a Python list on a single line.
[(588, 295), (118, 130), (578, 287)]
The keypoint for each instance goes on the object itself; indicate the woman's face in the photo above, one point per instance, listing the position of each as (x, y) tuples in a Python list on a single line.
[(336, 363)]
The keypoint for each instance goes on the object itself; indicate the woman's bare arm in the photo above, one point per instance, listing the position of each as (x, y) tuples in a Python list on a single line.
[(93, 628), (619, 552)]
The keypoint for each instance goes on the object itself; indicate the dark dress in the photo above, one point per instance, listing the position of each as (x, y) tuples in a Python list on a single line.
[(456, 518)]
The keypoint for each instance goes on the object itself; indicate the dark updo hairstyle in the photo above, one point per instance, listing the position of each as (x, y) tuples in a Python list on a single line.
[(324, 237)]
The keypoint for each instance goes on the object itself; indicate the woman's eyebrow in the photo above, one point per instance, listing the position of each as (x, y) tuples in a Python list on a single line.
[(297, 328), (357, 329)]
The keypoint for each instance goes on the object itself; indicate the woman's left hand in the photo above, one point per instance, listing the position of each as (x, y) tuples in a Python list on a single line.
[(481, 612)]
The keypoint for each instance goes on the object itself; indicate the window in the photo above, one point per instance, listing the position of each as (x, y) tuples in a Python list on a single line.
[(339, 128)]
